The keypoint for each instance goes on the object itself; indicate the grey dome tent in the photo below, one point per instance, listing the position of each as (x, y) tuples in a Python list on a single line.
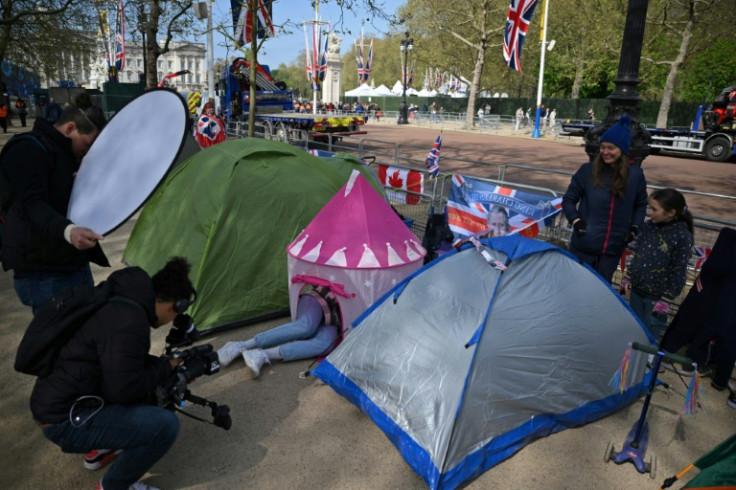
[(462, 364)]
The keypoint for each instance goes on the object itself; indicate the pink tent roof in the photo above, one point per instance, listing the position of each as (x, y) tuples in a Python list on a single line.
[(357, 229)]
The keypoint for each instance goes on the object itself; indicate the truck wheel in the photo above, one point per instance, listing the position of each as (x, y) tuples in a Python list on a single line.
[(718, 149), (282, 133), (269, 133)]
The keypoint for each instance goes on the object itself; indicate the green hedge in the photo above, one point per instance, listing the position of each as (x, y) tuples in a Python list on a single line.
[(681, 114), (116, 95)]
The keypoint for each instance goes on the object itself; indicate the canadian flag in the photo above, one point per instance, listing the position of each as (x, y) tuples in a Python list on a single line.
[(404, 179)]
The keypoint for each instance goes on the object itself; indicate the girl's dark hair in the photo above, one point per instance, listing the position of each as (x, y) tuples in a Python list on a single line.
[(620, 173), (172, 282), (672, 199)]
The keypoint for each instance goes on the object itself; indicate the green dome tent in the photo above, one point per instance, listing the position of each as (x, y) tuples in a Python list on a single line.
[(231, 210)]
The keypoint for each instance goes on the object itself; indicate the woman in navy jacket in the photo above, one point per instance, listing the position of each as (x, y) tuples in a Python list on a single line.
[(606, 202)]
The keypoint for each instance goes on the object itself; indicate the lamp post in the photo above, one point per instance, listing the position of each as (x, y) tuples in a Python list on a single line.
[(625, 98), (406, 46)]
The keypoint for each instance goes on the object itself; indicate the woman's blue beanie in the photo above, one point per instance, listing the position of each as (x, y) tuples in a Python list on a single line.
[(619, 134)]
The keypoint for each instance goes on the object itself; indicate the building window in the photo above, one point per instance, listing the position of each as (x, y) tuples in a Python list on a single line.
[(160, 76), (183, 65), (197, 65), (139, 63), (189, 65), (171, 63), (198, 78), (160, 64)]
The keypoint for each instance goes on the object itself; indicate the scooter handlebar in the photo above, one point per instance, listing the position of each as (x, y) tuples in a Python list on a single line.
[(649, 349)]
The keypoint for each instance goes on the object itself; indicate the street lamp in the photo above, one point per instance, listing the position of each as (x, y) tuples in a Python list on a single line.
[(625, 98), (406, 46)]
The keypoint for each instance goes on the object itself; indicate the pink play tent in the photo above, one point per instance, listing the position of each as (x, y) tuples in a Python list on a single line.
[(356, 243)]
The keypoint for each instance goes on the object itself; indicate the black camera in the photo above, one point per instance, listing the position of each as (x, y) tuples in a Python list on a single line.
[(197, 361), (182, 333)]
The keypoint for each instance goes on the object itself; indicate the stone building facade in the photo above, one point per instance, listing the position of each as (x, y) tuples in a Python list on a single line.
[(182, 55)]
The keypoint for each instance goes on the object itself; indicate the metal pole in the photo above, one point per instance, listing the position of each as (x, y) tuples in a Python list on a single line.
[(403, 109), (536, 133), (624, 98), (210, 54)]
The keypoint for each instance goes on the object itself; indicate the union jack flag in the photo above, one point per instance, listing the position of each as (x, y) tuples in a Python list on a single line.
[(364, 64), (323, 64), (243, 19), (702, 254), (120, 40), (433, 159), (517, 23)]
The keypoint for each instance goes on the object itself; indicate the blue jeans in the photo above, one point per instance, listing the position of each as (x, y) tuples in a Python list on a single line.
[(144, 433), (656, 323), (605, 265), (35, 288), (303, 338)]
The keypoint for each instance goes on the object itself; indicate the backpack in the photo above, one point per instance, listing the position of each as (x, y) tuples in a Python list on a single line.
[(437, 232), (6, 195), (56, 321)]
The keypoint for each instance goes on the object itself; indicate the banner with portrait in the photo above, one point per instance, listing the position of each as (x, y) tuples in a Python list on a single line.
[(480, 208)]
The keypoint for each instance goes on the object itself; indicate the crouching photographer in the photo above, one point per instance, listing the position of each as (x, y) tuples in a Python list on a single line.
[(98, 393)]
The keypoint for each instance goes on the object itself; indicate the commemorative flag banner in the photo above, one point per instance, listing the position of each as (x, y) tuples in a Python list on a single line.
[(473, 204), (243, 20), (402, 179), (517, 23), (120, 40), (433, 159), (701, 254)]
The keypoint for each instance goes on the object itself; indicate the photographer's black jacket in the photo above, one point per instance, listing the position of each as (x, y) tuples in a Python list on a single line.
[(108, 356), (41, 180)]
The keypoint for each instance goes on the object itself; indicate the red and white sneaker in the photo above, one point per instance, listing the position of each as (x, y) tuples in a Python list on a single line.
[(97, 458)]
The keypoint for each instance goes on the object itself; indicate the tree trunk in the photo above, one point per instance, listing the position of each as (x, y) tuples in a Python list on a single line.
[(664, 106), (578, 81), (475, 85), (253, 12), (152, 48)]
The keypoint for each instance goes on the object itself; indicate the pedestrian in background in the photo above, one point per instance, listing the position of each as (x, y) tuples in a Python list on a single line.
[(519, 118), (4, 116), (20, 105)]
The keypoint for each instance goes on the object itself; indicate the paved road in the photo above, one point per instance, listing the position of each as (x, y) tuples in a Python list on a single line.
[(564, 154)]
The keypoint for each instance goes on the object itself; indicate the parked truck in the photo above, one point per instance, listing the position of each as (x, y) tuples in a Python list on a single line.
[(711, 135), (274, 106)]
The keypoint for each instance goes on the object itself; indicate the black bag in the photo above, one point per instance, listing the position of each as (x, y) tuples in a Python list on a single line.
[(436, 233), (6, 195), (54, 324)]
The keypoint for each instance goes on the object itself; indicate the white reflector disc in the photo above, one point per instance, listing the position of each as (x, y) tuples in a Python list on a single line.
[(128, 160)]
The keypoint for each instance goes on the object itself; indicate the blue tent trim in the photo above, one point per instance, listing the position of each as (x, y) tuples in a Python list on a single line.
[(412, 452), (505, 446), (497, 450)]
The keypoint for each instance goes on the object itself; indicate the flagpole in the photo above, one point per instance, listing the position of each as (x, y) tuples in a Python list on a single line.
[(536, 133), (210, 55)]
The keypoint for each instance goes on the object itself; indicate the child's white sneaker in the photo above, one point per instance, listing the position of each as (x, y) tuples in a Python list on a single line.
[(255, 359), (229, 352)]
